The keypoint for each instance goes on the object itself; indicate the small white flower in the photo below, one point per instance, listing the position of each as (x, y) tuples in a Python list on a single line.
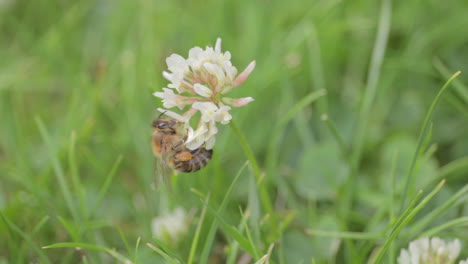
[(171, 226), (204, 78), (464, 261), (430, 251)]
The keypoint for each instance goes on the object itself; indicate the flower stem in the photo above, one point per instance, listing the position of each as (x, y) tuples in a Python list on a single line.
[(264, 197)]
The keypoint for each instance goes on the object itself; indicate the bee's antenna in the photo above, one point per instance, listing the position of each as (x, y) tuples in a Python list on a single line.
[(162, 113)]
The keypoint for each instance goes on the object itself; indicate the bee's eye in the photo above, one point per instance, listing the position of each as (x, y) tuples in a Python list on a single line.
[(162, 124)]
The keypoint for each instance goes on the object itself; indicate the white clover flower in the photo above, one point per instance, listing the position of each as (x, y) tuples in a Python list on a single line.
[(430, 251), (203, 78), (171, 226)]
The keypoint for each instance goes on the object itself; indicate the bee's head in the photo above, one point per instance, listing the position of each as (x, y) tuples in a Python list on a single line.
[(164, 125)]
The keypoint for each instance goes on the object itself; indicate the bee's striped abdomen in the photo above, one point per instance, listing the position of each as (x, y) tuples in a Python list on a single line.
[(199, 160)]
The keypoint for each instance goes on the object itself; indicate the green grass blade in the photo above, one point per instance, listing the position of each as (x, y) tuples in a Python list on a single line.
[(339, 139), (264, 197), (236, 235), (234, 248), (462, 221), (249, 235), (363, 118), (163, 254), (40, 224), (73, 171), (135, 255), (317, 76), (426, 220), (111, 252), (460, 88), (124, 240), (345, 235), (448, 170), (372, 79), (399, 225), (457, 104), (70, 228), (196, 238), (266, 258), (59, 172), (107, 182), (393, 198), (15, 229), (422, 135), (214, 226), (167, 250), (307, 100)]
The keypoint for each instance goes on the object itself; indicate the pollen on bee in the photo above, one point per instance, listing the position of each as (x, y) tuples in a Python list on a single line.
[(184, 156)]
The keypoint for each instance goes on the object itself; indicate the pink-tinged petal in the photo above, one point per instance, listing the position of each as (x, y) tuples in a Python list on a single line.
[(187, 115), (244, 75), (170, 99), (239, 102), (202, 90)]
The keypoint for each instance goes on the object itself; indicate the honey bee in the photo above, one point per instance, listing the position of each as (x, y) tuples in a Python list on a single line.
[(168, 142)]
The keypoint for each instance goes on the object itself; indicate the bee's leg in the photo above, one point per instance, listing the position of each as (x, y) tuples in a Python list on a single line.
[(178, 144), (195, 151)]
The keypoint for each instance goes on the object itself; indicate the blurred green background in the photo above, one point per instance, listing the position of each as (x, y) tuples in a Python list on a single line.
[(76, 105)]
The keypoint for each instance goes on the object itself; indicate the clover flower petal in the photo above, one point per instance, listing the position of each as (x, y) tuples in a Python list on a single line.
[(195, 138), (170, 99), (202, 90), (174, 115), (239, 102), (222, 115), (207, 109)]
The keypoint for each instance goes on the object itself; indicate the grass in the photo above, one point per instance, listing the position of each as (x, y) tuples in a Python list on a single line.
[(354, 146)]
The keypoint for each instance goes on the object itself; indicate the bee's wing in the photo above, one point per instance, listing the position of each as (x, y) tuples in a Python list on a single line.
[(163, 174), (163, 170)]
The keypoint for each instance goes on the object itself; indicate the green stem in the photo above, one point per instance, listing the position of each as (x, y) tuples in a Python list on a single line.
[(264, 197), (422, 136)]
